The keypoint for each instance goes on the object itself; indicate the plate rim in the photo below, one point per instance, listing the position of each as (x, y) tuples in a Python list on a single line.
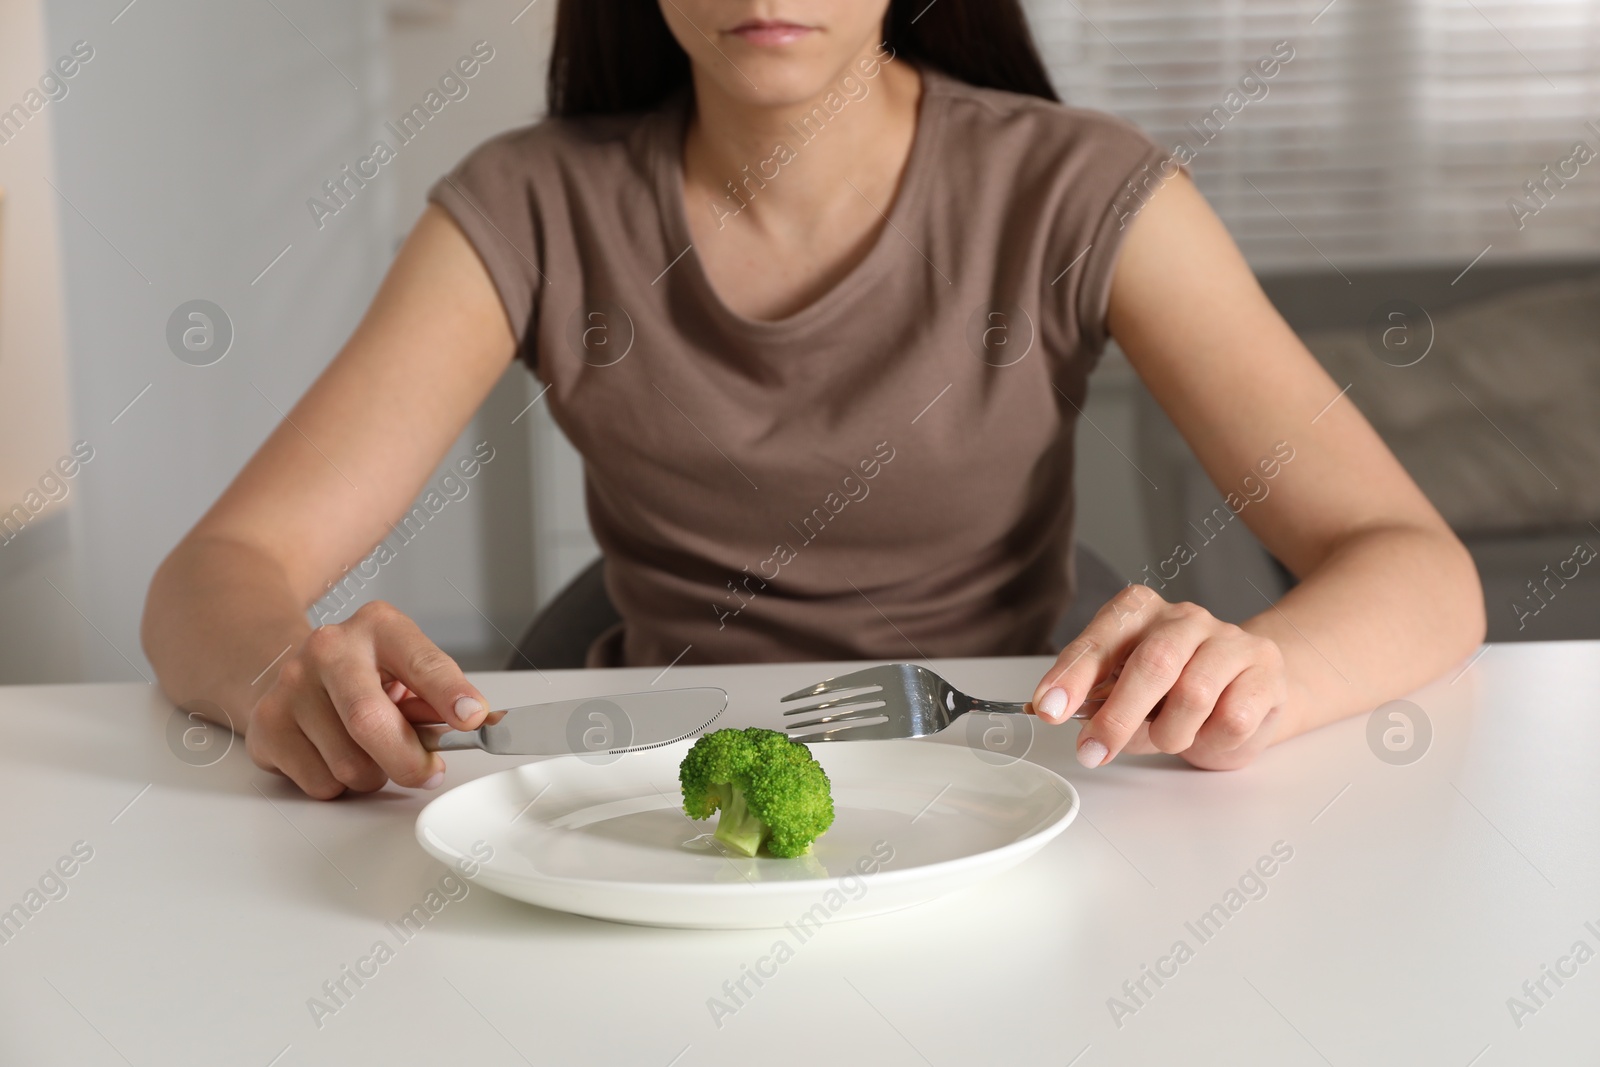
[(1033, 841)]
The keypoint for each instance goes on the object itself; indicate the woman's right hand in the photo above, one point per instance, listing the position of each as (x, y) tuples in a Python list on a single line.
[(340, 713)]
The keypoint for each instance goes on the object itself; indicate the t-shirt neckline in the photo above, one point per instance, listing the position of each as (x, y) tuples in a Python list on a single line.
[(668, 175)]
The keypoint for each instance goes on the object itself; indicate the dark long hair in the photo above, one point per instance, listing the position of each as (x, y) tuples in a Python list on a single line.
[(618, 55)]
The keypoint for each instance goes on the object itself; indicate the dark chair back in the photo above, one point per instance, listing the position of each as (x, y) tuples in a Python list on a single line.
[(560, 635)]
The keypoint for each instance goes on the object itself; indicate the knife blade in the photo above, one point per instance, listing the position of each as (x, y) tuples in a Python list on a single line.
[(613, 724)]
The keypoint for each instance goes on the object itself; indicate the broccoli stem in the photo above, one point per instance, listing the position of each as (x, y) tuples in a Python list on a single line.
[(738, 828)]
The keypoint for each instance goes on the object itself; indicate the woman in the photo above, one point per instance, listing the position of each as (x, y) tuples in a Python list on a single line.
[(815, 287)]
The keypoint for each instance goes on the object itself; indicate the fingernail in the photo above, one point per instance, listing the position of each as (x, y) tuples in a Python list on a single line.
[(1053, 703), (1091, 753), (466, 708), (435, 781)]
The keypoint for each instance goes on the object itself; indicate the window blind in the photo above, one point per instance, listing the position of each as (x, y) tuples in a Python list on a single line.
[(1401, 131)]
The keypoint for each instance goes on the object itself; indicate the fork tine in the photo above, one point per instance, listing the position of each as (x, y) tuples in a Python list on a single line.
[(864, 700), (867, 678), (850, 716), (850, 732), (855, 691)]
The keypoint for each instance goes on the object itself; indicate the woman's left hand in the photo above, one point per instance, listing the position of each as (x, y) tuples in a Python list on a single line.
[(1223, 686)]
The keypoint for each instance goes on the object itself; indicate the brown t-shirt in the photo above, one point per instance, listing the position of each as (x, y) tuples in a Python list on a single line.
[(885, 474)]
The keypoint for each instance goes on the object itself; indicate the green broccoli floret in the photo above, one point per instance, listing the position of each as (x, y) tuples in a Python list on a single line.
[(770, 790)]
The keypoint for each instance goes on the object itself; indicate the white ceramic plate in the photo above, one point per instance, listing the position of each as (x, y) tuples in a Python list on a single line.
[(912, 821)]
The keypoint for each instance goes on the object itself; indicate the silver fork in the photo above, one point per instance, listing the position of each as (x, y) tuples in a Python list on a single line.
[(911, 701)]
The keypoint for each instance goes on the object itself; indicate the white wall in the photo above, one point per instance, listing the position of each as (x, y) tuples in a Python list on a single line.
[(190, 145), (560, 541), (487, 552), (38, 627), (32, 374), (194, 137)]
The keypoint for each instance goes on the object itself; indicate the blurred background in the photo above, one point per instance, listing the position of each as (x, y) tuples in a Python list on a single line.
[(1418, 186)]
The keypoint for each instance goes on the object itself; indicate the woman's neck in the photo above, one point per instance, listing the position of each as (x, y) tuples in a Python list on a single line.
[(778, 167)]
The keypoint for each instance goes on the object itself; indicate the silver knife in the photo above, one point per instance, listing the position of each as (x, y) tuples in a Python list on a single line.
[(625, 722)]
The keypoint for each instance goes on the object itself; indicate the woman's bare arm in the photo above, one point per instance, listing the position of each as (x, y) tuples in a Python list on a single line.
[(318, 494), (1388, 597)]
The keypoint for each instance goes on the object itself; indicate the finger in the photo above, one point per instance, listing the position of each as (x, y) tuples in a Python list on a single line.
[(376, 725), (1240, 710), (405, 653), (1092, 655), (1147, 674), (1139, 744), (320, 722), (343, 660), (419, 712), (285, 750), (1233, 759), (1191, 699)]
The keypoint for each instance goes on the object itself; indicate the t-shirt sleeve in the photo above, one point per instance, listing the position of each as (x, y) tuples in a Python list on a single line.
[(1124, 170), (490, 196)]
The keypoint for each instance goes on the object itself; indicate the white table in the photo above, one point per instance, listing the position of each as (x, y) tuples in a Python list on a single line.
[(1418, 899)]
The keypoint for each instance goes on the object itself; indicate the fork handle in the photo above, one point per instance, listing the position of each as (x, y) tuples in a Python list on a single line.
[(1085, 710), (1002, 707)]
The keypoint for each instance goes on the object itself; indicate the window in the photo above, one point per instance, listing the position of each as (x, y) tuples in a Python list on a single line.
[(1399, 132)]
